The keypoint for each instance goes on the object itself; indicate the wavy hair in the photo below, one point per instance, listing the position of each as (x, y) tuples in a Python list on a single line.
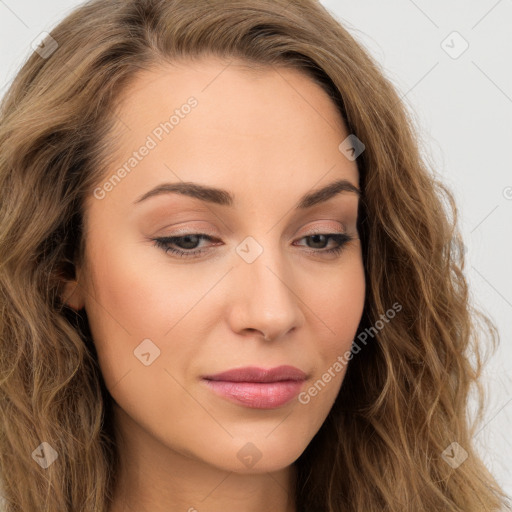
[(404, 398)]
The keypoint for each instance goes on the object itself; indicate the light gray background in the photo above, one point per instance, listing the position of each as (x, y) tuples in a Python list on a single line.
[(463, 108)]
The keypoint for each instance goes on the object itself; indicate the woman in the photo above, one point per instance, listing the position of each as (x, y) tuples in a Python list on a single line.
[(182, 329)]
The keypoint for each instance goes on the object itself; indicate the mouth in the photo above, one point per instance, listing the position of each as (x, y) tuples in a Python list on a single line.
[(258, 388)]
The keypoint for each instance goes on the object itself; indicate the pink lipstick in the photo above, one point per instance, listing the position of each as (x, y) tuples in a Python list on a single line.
[(258, 388)]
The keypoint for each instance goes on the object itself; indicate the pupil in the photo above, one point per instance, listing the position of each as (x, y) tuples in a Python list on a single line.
[(316, 237), (186, 241)]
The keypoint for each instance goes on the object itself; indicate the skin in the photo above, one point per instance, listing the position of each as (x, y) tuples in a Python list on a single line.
[(253, 132)]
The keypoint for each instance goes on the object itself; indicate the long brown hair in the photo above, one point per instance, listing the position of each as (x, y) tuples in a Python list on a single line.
[(404, 398)]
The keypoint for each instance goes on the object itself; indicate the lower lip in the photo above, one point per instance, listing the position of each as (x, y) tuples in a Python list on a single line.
[(257, 395)]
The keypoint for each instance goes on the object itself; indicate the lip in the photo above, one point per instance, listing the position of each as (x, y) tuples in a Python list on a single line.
[(256, 374), (258, 388)]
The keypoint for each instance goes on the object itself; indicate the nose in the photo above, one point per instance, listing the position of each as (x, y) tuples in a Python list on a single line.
[(265, 297)]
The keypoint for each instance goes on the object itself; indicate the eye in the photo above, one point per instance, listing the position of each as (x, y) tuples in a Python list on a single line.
[(340, 239), (186, 246), (189, 241)]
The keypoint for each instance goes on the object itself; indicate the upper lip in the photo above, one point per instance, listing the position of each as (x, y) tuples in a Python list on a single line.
[(255, 374)]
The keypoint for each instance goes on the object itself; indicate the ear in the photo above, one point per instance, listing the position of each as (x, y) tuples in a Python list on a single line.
[(72, 294)]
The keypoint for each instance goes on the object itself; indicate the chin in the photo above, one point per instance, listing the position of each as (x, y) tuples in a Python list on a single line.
[(253, 456)]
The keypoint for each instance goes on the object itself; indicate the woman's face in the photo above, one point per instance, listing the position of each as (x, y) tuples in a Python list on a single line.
[(256, 285)]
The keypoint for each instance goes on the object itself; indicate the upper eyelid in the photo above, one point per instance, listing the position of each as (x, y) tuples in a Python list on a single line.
[(200, 231)]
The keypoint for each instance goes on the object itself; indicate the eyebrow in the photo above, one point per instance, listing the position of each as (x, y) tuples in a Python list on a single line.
[(224, 198)]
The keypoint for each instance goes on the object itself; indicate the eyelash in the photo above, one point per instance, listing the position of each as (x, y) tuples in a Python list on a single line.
[(164, 243)]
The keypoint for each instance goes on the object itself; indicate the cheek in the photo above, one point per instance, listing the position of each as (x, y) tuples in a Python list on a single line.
[(338, 309), (339, 305), (138, 289), (132, 299)]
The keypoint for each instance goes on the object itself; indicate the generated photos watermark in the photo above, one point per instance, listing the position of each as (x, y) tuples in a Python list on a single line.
[(152, 140), (342, 360)]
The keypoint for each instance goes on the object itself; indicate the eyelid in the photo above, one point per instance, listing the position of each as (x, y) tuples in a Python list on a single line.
[(324, 229), (319, 229), (190, 230), (205, 226)]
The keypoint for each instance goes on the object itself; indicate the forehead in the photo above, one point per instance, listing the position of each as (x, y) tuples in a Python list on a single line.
[(238, 94), (250, 129)]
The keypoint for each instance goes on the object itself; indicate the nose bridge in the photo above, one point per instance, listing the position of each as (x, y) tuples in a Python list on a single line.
[(265, 286)]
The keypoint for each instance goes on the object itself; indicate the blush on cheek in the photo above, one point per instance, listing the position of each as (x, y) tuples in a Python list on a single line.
[(341, 303), (129, 290)]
